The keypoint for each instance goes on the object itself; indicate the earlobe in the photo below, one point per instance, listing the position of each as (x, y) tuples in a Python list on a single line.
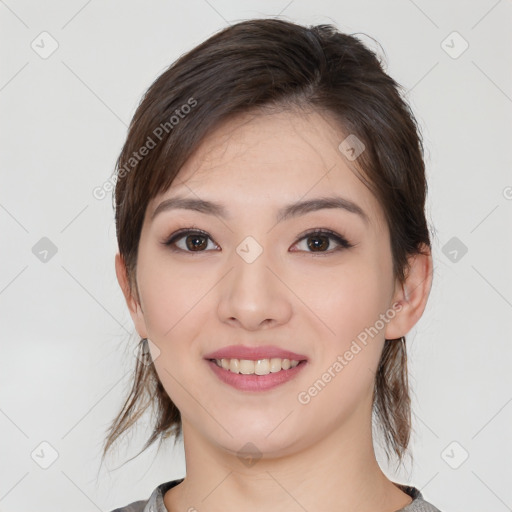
[(133, 305), (412, 295)]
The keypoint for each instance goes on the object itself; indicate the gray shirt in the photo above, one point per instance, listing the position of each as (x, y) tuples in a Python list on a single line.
[(155, 503)]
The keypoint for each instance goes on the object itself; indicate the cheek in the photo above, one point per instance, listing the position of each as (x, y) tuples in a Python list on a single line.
[(349, 303), (171, 296), (347, 300), (173, 309), (349, 348), (176, 304)]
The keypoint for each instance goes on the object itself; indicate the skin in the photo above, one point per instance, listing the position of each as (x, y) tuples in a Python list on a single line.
[(292, 296)]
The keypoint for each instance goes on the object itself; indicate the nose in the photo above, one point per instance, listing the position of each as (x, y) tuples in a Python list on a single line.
[(254, 295)]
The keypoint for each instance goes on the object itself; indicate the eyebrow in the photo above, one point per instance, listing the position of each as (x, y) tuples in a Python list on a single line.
[(291, 210)]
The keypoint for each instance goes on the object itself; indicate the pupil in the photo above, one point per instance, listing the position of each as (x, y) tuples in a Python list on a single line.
[(323, 245), (191, 239)]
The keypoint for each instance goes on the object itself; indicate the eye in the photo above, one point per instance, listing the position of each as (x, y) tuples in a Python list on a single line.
[(193, 240), (319, 241)]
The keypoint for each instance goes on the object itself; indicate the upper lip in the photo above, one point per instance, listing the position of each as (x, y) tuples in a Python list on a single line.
[(254, 353)]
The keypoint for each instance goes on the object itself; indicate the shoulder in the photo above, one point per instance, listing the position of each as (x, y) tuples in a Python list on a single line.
[(418, 503), (136, 506), (154, 503)]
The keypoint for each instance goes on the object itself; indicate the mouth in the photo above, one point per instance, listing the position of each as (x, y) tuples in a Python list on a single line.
[(256, 375), (259, 367)]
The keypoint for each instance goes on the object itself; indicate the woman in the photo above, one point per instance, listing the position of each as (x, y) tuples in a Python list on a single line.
[(273, 253)]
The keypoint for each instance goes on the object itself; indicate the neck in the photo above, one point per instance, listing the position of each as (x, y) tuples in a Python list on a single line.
[(336, 473)]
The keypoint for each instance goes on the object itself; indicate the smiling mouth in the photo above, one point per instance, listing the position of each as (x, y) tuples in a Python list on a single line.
[(257, 367)]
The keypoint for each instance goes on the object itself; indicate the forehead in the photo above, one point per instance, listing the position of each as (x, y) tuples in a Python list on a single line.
[(261, 159)]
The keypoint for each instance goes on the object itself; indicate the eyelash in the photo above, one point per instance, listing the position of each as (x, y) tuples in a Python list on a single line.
[(343, 243)]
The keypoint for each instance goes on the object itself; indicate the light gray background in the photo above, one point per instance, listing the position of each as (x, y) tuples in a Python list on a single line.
[(66, 352)]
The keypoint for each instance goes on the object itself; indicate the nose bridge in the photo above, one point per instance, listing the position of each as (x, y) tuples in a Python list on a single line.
[(250, 275), (252, 294)]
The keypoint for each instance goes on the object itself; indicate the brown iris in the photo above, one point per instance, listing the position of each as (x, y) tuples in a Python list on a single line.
[(194, 242), (324, 242)]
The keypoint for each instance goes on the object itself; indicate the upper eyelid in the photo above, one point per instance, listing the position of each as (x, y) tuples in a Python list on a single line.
[(185, 231)]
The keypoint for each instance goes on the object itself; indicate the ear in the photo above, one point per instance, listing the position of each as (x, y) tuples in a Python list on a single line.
[(411, 296), (132, 303)]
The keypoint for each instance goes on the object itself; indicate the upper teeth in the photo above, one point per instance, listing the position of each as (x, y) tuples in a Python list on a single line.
[(258, 367)]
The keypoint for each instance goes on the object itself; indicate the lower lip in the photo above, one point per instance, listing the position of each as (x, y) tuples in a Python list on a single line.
[(255, 382)]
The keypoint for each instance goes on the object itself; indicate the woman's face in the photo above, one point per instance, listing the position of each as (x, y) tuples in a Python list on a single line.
[(259, 278)]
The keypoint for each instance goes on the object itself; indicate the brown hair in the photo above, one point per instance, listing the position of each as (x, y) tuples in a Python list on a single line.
[(271, 63)]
